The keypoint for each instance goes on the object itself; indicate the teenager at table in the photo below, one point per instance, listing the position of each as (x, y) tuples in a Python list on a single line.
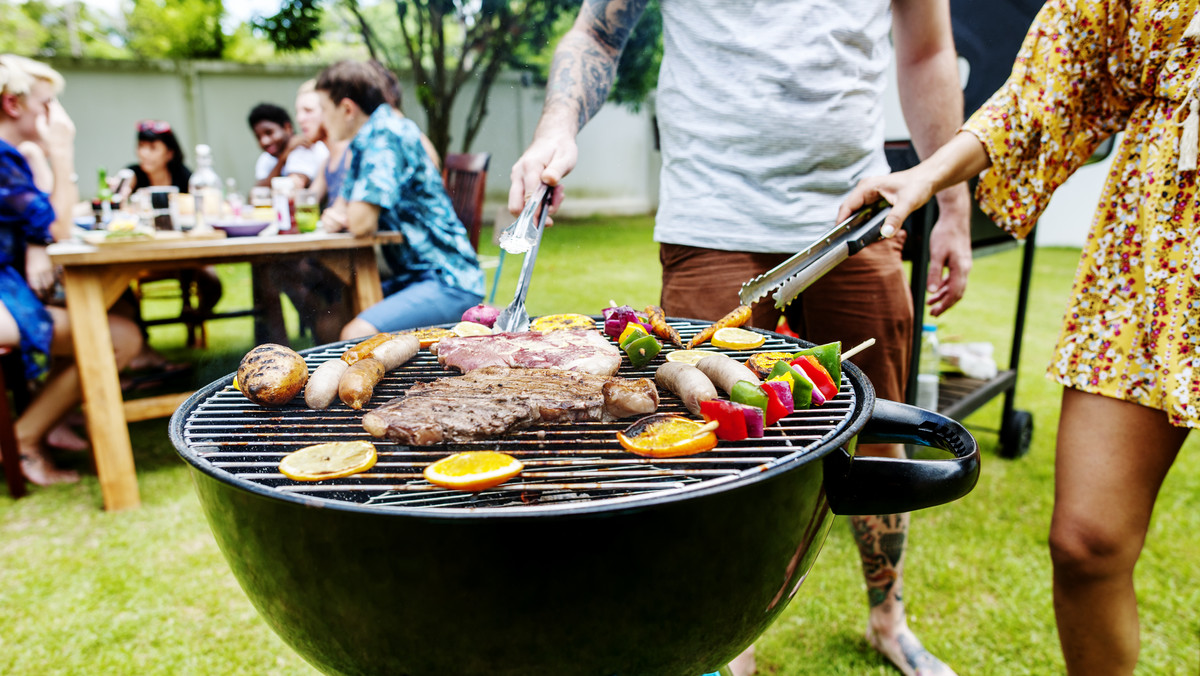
[(392, 184)]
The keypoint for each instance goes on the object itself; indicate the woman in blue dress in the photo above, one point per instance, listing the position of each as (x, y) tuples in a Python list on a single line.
[(30, 112)]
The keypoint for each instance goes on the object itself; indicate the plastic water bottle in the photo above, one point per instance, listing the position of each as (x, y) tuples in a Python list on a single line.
[(929, 369), (205, 188)]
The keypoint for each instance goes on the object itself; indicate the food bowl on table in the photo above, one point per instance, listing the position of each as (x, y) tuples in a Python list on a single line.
[(241, 228)]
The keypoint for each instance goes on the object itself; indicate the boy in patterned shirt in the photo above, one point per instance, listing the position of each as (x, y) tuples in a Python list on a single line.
[(391, 184)]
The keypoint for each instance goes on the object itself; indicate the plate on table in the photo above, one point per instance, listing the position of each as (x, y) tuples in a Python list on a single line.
[(241, 228)]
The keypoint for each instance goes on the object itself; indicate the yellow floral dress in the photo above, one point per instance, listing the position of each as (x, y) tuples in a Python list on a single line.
[(1086, 71)]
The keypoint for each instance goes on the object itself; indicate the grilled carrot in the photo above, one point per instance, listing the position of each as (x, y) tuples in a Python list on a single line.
[(365, 348), (738, 317), (658, 322)]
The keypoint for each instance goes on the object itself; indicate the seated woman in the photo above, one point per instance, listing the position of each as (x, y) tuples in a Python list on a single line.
[(391, 184), (27, 104), (161, 163)]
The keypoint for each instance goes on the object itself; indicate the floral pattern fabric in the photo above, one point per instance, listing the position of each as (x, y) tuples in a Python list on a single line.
[(390, 168), (1086, 70), (25, 216)]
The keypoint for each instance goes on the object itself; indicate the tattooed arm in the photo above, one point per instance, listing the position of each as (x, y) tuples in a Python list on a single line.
[(585, 63)]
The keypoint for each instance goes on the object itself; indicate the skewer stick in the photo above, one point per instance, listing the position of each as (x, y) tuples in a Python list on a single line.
[(707, 427), (858, 348)]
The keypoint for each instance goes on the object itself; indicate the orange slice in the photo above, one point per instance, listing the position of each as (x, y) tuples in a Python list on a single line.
[(667, 436), (689, 356), (473, 470), (562, 322), (733, 338), (333, 460), (471, 329), (429, 336)]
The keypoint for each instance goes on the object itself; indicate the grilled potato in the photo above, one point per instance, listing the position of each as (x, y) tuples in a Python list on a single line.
[(271, 375), (562, 322), (763, 362)]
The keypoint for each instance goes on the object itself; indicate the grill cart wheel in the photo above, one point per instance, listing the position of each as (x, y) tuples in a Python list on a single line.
[(1015, 434)]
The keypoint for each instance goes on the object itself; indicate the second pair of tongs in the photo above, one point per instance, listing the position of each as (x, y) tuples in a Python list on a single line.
[(524, 236), (795, 274)]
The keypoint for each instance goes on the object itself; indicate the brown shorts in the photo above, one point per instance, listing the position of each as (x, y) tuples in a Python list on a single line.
[(867, 296)]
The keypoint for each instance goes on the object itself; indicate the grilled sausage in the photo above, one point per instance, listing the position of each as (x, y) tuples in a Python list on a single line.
[(686, 381), (397, 351), (725, 371), (364, 349), (322, 386), (357, 384)]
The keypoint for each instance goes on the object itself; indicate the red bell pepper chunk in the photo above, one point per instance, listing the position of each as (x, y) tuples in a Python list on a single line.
[(779, 400), (730, 419), (817, 374)]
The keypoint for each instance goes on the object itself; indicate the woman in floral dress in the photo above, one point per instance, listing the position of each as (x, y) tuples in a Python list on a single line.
[(1127, 355)]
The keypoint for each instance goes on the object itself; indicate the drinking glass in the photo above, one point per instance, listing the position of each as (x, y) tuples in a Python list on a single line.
[(308, 211)]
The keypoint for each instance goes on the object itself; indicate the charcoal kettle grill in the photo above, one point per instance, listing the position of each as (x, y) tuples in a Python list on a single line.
[(593, 561)]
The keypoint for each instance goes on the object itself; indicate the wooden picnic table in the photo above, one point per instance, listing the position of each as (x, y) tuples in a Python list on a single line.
[(94, 276)]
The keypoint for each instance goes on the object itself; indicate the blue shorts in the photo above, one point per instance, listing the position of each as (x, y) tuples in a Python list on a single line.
[(424, 302)]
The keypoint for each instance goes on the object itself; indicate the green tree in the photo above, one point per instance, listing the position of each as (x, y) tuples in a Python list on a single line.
[(40, 29), (176, 29)]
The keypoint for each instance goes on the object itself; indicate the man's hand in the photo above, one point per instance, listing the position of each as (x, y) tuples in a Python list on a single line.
[(547, 160), (38, 270), (949, 260)]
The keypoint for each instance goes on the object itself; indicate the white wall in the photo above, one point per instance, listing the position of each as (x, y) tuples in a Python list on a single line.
[(207, 102)]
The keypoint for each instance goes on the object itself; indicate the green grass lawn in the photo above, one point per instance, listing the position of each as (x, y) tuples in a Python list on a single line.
[(83, 591)]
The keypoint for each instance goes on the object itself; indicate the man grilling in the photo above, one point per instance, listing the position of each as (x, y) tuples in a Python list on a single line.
[(769, 113)]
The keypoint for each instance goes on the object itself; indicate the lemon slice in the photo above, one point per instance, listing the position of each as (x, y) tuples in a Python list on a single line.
[(473, 470), (471, 329), (429, 336), (689, 356), (733, 338), (333, 460)]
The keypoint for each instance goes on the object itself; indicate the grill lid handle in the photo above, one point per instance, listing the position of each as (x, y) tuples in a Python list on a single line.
[(863, 485)]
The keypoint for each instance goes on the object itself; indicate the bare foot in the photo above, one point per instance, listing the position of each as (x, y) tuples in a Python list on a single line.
[(905, 651), (62, 436), (39, 470), (744, 665)]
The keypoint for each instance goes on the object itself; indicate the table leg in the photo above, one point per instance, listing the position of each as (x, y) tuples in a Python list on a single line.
[(367, 289), (269, 326), (103, 403)]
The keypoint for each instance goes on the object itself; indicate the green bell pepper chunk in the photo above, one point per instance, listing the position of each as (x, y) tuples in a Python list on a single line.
[(829, 356), (642, 350), (801, 385), (634, 333), (746, 392)]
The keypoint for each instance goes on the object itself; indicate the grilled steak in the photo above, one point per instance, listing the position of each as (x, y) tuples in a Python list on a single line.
[(495, 400), (585, 351)]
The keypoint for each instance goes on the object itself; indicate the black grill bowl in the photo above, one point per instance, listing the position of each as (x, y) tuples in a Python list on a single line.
[(676, 583)]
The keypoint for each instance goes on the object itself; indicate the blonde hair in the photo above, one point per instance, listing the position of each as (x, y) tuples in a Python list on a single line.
[(17, 75), (308, 87)]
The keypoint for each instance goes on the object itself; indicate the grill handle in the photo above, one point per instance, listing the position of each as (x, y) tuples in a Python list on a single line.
[(862, 485)]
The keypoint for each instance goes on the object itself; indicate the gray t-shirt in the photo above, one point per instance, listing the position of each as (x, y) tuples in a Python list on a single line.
[(769, 112)]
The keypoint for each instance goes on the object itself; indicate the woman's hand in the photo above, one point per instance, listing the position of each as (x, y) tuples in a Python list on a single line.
[(39, 273), (906, 191), (334, 218)]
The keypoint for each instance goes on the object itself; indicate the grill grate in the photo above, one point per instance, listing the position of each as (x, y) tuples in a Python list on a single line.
[(564, 464)]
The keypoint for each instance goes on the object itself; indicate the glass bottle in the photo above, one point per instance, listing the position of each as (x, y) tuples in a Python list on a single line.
[(929, 369), (104, 195), (205, 188)]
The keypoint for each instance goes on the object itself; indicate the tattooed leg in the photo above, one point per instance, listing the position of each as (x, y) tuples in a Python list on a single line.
[(881, 541)]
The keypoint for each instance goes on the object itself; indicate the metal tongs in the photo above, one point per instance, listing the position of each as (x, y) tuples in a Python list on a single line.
[(797, 273), (524, 236)]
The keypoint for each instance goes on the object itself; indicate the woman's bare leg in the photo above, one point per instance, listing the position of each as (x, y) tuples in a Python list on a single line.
[(61, 394), (1111, 460)]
